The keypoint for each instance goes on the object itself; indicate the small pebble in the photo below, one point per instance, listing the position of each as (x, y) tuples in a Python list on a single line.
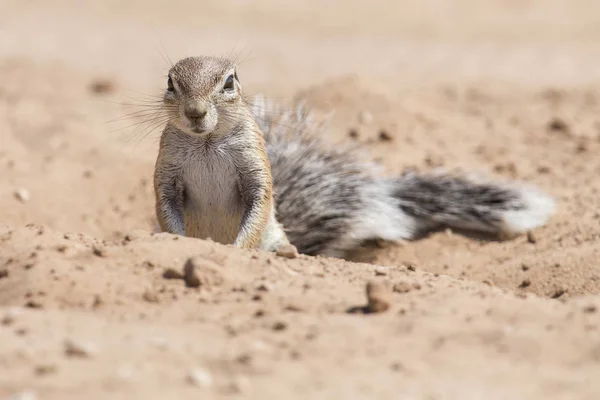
[(264, 287), (99, 251), (98, 302), (3, 273), (171, 273), (411, 267), (531, 238), (525, 283), (200, 377), (590, 309), (34, 304), (78, 349), (405, 287), (150, 297), (287, 251), (22, 195), (189, 274), (384, 136), (378, 297), (558, 125), (279, 326), (102, 86), (46, 369), (381, 271)]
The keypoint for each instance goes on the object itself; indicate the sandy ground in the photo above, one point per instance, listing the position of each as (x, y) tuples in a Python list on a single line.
[(506, 88)]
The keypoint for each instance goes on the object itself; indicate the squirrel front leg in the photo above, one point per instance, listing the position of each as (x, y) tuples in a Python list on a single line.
[(169, 189), (256, 191)]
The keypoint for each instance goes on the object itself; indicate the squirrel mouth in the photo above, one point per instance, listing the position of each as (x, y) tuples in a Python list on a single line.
[(197, 129)]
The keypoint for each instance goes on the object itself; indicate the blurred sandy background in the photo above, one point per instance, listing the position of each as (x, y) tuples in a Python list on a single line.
[(508, 89)]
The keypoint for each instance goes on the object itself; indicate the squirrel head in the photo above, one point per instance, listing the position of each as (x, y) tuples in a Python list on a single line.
[(203, 95)]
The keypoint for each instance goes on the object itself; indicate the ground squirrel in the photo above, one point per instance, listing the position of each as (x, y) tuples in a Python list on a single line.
[(212, 177), (218, 150)]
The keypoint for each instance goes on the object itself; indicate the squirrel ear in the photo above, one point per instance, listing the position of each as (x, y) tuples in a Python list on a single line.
[(235, 75)]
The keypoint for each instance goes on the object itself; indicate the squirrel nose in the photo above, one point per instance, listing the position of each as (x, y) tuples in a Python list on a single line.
[(194, 113)]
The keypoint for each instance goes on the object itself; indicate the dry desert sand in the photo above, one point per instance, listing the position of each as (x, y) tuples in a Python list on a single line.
[(508, 89)]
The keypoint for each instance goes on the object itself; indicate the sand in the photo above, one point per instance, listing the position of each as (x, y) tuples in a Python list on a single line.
[(507, 89)]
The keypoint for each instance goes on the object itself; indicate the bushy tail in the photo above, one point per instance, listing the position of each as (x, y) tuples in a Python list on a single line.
[(443, 201), (331, 200)]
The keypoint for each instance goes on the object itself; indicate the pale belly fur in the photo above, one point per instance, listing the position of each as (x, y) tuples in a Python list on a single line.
[(213, 207)]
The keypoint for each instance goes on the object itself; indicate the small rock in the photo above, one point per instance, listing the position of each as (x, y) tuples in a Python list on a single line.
[(245, 359), (199, 271), (21, 331), (287, 251), (3, 273), (78, 349), (97, 301), (293, 308), (381, 271), (102, 86), (590, 309), (531, 238), (171, 273), (378, 297), (22, 195), (264, 287), (544, 170), (365, 117), (150, 297), (99, 251), (384, 136), (34, 304), (558, 125), (405, 287), (353, 133), (189, 274), (581, 148), (200, 377), (279, 326), (45, 369), (525, 283)]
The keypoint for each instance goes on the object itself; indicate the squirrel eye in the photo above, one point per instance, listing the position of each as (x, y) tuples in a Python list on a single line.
[(228, 83), (170, 86)]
